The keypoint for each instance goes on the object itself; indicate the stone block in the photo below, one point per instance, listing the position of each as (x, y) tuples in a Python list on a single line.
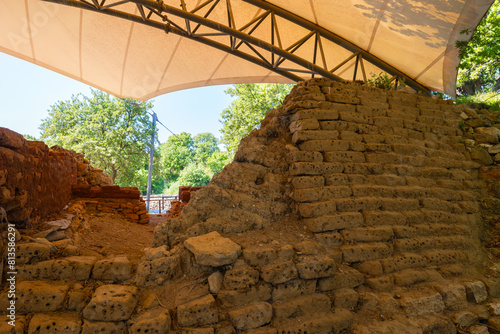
[(324, 145), (31, 253), (363, 168), (413, 245), (345, 298), (240, 278), (494, 308), (476, 291), (156, 321), (345, 277), (158, 270), (409, 277), (337, 179), (344, 156), (305, 135), (37, 297), (340, 221), (421, 303), (258, 256), (311, 267), (71, 267), (251, 316), (368, 234), (294, 288), (358, 204), (115, 269), (234, 298), (304, 156), (279, 272), (381, 284), (465, 319), (111, 303), (479, 329), (299, 306), (99, 327), (199, 312), (154, 253), (212, 249), (372, 268), (68, 323), (442, 257), (318, 114), (321, 193), (365, 252), (215, 281), (77, 298), (356, 117), (403, 261), (330, 239)]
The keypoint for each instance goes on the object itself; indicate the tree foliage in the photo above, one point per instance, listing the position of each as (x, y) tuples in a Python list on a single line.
[(205, 144), (114, 135), (176, 154), (244, 114), (479, 68)]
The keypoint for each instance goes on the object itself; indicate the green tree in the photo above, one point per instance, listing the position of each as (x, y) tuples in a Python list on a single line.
[(194, 175), (205, 144), (217, 161), (244, 114), (176, 154), (479, 68), (114, 134)]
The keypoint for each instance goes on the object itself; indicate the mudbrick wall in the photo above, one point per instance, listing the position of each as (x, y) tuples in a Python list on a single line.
[(350, 210)]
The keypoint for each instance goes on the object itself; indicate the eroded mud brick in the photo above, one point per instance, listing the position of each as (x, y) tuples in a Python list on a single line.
[(409, 277), (345, 298), (77, 298), (293, 289), (325, 145), (362, 168), (259, 256), (365, 252), (356, 117), (345, 277), (476, 292), (302, 182), (344, 156), (305, 135), (212, 249), (368, 234), (311, 267), (323, 322), (304, 156), (414, 245), (325, 223), (111, 303), (382, 283), (31, 253), (68, 323), (279, 272), (315, 168), (304, 124), (358, 204), (233, 298), (403, 261), (442, 257), (419, 303), (156, 271), (99, 327), (116, 269), (330, 239), (251, 316), (299, 306), (317, 209), (240, 278), (72, 267), (199, 312), (372, 268), (36, 297), (155, 321)]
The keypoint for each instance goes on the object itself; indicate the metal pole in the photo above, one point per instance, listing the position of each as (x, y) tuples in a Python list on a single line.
[(151, 154)]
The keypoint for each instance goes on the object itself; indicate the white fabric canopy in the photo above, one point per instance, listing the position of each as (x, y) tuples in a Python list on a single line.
[(136, 58)]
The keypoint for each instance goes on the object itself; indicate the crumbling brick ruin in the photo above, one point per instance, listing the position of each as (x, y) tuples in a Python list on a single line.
[(350, 210)]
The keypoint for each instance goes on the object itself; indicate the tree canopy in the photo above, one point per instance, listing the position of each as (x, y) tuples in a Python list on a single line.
[(114, 134), (244, 114), (479, 69)]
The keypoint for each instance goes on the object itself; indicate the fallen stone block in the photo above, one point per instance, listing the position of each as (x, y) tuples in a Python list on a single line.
[(199, 312), (215, 281), (213, 250), (111, 303), (419, 303), (454, 295), (67, 323), (476, 292), (153, 253), (114, 269), (465, 319), (153, 321), (310, 267), (279, 272), (494, 308), (99, 327), (251, 316)]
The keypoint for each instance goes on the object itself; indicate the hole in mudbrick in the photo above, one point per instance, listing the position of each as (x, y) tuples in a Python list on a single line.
[(259, 181)]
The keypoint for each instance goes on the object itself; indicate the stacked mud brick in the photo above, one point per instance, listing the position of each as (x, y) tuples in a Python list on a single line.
[(111, 198), (35, 181)]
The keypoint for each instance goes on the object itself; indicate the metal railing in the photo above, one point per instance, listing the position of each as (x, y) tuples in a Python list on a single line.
[(160, 203)]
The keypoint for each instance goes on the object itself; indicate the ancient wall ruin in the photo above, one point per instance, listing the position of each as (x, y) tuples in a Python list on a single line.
[(350, 210)]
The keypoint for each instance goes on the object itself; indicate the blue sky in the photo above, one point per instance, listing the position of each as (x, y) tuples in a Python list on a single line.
[(27, 91)]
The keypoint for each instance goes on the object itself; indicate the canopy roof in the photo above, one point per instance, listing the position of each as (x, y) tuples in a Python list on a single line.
[(144, 48)]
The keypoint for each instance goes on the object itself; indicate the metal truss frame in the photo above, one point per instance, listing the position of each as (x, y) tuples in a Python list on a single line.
[(270, 54)]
